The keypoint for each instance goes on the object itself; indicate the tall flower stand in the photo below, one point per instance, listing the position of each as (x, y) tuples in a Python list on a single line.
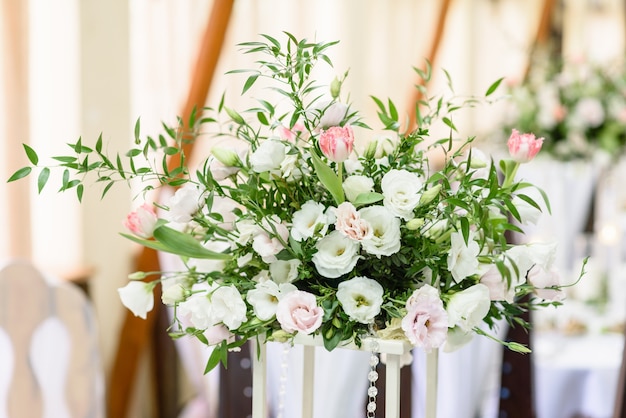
[(393, 350)]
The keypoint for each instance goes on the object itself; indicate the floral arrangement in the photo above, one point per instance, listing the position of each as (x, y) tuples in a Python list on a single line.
[(578, 106), (290, 228)]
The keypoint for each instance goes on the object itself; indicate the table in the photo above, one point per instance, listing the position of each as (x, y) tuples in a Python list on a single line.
[(576, 374)]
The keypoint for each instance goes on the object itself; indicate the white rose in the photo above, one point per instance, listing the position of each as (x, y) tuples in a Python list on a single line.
[(360, 298), (268, 157), (355, 185), (138, 297), (228, 307), (311, 218), (185, 203), (401, 190), (336, 255), (385, 239), (265, 296), (284, 271), (463, 258), (467, 308)]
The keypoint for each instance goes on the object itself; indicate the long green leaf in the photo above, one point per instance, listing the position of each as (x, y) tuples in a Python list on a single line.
[(175, 242), (31, 154), (329, 178), (20, 174), (44, 175)]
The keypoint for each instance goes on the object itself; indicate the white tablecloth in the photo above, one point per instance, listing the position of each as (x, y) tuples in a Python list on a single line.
[(576, 375)]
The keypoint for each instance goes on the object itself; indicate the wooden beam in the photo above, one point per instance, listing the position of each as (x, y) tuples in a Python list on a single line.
[(136, 332), (431, 57)]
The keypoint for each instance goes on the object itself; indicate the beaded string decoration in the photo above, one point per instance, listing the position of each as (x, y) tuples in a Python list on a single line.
[(372, 376)]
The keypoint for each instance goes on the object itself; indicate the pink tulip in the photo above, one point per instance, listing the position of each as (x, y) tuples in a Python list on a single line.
[(523, 147), (336, 143), (142, 221)]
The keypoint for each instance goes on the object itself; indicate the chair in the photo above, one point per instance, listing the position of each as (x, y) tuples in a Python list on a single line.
[(49, 356)]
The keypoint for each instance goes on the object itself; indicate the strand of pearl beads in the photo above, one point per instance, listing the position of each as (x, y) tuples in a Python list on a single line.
[(372, 376), (284, 365)]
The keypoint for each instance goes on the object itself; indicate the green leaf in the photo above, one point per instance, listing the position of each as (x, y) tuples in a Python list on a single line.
[(79, 192), (367, 198), (493, 87), (31, 154), (175, 242), (249, 83), (44, 175), (214, 358), (137, 131), (20, 174), (329, 178), (236, 117), (465, 229)]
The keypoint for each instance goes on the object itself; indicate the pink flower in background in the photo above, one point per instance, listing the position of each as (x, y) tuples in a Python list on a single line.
[(142, 221), (336, 143), (523, 147), (298, 311), (291, 134), (426, 321)]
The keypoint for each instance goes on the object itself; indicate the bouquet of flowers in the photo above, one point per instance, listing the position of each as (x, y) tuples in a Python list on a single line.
[(287, 227), (579, 107)]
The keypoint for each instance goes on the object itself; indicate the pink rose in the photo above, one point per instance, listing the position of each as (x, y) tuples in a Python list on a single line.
[(523, 147), (350, 224), (426, 321), (142, 221), (336, 143), (298, 311)]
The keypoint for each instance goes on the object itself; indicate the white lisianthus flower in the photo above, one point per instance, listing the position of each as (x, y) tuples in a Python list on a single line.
[(467, 308), (524, 257), (360, 298), (265, 296), (456, 339), (185, 203), (198, 309), (498, 285), (311, 218), (529, 214), (226, 160), (268, 157), (228, 307), (402, 192), (173, 294), (289, 167), (271, 240), (546, 283), (284, 271), (138, 297), (247, 230), (352, 165), (333, 115), (463, 258), (385, 239), (336, 255), (244, 260), (207, 265), (354, 185)]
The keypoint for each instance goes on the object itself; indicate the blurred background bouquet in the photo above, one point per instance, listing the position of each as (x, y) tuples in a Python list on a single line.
[(579, 107)]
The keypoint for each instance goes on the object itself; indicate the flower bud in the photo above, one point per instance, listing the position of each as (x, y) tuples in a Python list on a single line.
[(414, 224), (138, 275), (335, 88), (225, 156), (430, 194)]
